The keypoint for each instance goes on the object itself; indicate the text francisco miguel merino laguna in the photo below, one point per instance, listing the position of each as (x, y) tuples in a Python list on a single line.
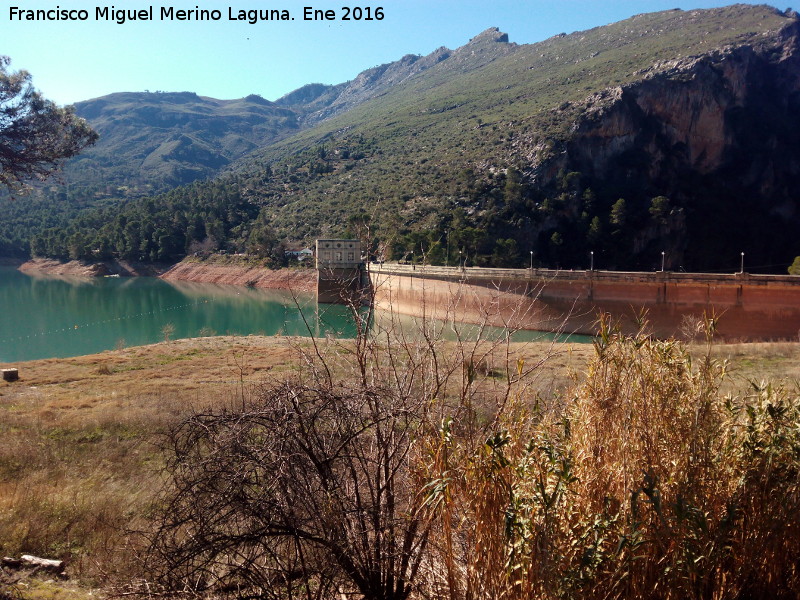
[(170, 13)]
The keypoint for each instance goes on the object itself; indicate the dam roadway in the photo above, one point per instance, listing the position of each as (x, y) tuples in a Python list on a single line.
[(746, 307)]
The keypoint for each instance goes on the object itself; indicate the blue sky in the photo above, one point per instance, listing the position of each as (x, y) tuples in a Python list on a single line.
[(73, 60)]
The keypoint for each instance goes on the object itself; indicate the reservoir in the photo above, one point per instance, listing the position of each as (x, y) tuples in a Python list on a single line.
[(51, 317), (45, 317)]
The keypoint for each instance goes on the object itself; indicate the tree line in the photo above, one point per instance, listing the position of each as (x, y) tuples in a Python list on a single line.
[(194, 219)]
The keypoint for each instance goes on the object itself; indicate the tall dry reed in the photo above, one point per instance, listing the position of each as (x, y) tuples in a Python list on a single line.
[(649, 483)]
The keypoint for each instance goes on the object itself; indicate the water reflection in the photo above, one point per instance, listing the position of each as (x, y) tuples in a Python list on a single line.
[(45, 317), (57, 317)]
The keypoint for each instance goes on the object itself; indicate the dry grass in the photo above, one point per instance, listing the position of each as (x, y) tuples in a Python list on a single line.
[(762, 361), (651, 483), (79, 462), (79, 459)]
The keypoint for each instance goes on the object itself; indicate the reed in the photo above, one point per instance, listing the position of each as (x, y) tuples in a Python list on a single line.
[(649, 482)]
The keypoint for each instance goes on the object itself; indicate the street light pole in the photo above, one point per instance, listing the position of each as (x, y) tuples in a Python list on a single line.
[(531, 260), (741, 269), (447, 256), (662, 261), (591, 260)]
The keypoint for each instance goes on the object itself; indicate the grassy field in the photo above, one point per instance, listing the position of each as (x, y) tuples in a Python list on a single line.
[(80, 462), (80, 459)]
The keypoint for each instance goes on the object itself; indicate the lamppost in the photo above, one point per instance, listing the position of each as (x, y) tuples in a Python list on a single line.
[(447, 256), (741, 269), (662, 261), (460, 264), (531, 260), (591, 260)]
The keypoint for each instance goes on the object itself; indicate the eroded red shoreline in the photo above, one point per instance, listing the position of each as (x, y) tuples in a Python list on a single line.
[(227, 273)]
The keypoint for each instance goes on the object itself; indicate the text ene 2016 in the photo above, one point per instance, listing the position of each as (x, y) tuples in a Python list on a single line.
[(354, 13)]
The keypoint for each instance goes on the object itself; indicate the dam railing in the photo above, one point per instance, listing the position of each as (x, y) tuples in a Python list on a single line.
[(544, 275)]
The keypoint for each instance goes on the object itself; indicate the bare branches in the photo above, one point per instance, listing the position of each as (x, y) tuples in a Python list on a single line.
[(308, 489), (330, 481)]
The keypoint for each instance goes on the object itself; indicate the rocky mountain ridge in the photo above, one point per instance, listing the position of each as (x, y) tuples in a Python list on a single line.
[(667, 135), (727, 119), (318, 103), (153, 141)]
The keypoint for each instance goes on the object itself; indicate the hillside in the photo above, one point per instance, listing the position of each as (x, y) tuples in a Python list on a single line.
[(538, 143), (161, 140), (668, 132), (154, 141)]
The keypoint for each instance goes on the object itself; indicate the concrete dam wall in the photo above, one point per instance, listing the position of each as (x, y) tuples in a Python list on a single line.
[(747, 307)]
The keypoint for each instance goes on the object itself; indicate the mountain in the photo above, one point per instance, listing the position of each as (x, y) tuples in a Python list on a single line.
[(156, 141), (668, 132), (150, 142), (316, 103), (690, 118)]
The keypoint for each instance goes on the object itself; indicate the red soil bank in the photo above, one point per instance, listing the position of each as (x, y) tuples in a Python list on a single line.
[(298, 280)]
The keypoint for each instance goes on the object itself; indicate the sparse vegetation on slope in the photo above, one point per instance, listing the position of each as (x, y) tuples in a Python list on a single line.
[(626, 140)]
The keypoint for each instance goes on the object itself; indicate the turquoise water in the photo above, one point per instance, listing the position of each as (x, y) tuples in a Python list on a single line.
[(44, 317), (49, 317)]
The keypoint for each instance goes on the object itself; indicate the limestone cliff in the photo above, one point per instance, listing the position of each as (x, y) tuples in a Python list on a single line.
[(701, 130), (695, 113)]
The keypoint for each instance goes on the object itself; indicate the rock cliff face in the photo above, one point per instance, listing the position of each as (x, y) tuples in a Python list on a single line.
[(714, 127), (698, 113)]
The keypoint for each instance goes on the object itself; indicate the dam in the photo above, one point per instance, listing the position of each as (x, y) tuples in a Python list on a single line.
[(745, 307)]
